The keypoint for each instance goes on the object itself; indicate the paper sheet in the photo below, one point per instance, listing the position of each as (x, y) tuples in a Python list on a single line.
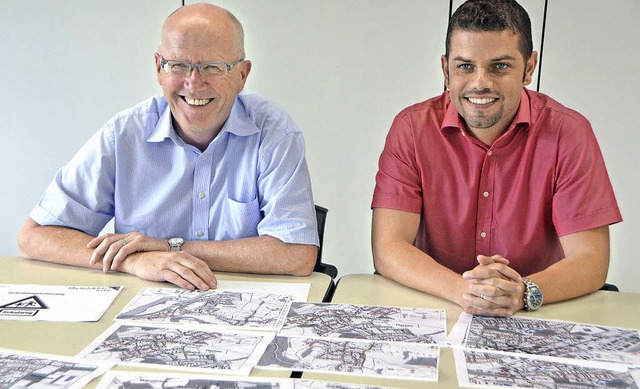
[(20, 369), (364, 358), (55, 303), (298, 290), (217, 308), (372, 322), (482, 369), (189, 348), (554, 338)]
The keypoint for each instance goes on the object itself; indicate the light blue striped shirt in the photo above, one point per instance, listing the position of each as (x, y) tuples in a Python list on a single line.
[(252, 179)]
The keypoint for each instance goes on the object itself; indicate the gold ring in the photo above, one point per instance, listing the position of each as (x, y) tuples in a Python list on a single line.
[(123, 242)]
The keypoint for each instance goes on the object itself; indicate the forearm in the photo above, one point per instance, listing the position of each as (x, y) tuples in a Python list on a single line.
[(262, 254), (54, 244), (408, 265), (572, 277), (582, 271)]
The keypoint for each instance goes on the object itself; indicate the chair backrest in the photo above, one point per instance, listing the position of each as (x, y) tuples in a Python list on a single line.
[(321, 217), (610, 287)]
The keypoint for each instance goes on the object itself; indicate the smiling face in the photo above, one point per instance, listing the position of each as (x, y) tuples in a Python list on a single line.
[(485, 73), (200, 106)]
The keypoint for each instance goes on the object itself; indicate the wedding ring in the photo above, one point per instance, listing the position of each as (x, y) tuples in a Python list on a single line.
[(123, 242), (482, 297)]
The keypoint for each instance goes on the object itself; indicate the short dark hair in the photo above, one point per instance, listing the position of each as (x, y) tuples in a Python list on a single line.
[(492, 15)]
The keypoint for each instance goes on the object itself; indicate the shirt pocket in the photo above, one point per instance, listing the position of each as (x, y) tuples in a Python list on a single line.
[(241, 219)]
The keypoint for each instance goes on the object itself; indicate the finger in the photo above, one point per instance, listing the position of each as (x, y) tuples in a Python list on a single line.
[(506, 271), (126, 247), (100, 245), (199, 274), (495, 287), (494, 270), (478, 302), (110, 254), (486, 260), (500, 259), (174, 278), (498, 311), (486, 306), (93, 243), (191, 280)]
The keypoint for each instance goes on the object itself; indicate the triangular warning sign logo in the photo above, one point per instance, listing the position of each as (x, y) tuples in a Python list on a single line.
[(32, 302)]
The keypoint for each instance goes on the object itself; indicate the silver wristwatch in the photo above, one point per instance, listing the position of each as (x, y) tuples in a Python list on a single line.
[(532, 295), (175, 243)]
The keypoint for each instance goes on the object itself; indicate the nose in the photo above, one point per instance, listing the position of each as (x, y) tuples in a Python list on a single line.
[(481, 79), (195, 77)]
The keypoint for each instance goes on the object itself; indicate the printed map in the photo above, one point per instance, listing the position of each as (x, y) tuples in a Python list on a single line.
[(369, 322), (487, 369), (176, 346), (227, 309), (23, 370), (381, 359), (552, 338)]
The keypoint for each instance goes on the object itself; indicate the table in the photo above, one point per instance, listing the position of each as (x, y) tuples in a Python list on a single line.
[(602, 307), (69, 338)]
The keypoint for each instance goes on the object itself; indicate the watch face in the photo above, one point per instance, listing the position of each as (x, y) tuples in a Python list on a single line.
[(176, 241), (534, 298)]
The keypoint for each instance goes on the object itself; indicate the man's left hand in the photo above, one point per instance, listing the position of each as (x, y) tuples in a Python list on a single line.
[(112, 249)]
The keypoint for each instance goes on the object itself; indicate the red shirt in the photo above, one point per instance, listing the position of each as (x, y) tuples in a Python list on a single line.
[(543, 178)]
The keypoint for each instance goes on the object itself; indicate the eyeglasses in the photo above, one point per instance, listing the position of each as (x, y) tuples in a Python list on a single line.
[(206, 69)]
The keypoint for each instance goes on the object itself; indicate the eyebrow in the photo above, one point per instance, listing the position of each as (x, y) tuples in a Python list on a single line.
[(498, 59)]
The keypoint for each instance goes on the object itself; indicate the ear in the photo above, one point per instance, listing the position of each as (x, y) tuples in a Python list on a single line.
[(530, 67), (158, 58), (245, 69), (445, 69)]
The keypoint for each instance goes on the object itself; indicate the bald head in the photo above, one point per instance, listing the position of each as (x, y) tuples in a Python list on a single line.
[(203, 24)]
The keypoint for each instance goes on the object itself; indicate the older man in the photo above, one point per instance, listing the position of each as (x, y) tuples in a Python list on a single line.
[(208, 177)]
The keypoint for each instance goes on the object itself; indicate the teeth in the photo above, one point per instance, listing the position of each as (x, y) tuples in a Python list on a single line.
[(196, 101), (485, 100)]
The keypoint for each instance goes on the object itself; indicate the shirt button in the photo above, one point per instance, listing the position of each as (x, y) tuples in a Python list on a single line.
[(200, 234), (201, 195), (490, 153), (204, 158), (486, 194), (483, 234)]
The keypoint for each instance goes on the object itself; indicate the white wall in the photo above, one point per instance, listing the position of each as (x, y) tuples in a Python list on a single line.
[(342, 68), (591, 63), (66, 67)]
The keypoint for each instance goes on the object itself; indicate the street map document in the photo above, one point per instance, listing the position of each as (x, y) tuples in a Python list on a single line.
[(245, 310), (482, 369), (553, 338), (55, 303), (185, 347), (20, 369)]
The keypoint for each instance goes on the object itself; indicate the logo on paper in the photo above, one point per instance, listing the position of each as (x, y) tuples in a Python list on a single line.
[(28, 306)]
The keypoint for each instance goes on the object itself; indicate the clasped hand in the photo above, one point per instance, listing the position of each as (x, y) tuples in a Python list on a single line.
[(492, 288), (151, 259)]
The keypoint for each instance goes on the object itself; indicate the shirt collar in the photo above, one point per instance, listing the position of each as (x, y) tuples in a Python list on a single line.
[(164, 127), (239, 123), (453, 120)]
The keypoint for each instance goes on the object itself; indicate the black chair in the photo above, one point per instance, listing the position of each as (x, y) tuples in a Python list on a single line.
[(610, 287), (321, 216)]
